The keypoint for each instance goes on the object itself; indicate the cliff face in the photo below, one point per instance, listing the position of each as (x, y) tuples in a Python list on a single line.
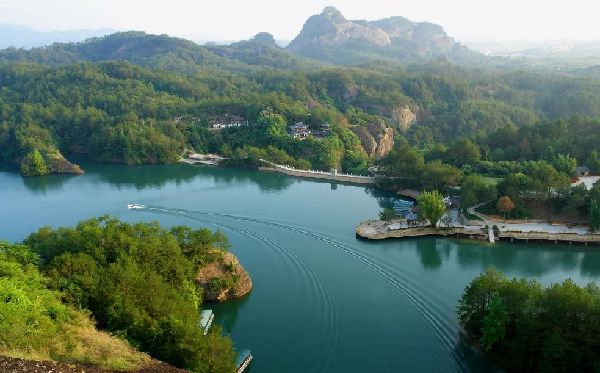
[(331, 37), (224, 279), (376, 139), (404, 117)]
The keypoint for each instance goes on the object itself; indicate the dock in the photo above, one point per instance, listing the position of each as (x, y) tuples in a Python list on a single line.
[(491, 234), (243, 360), (206, 319)]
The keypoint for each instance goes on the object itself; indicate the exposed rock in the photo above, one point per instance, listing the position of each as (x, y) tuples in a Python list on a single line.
[(331, 37), (60, 165), (225, 279), (386, 143), (366, 139), (404, 117), (376, 139)]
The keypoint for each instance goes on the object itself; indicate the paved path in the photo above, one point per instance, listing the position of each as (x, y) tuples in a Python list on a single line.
[(527, 227)]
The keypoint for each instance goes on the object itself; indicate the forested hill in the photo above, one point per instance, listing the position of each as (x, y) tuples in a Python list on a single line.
[(163, 52), (138, 98)]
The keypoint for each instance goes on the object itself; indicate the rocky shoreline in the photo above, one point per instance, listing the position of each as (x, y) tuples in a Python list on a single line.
[(224, 279)]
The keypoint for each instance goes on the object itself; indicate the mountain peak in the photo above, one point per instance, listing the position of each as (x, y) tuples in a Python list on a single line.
[(333, 14), (332, 38), (264, 38)]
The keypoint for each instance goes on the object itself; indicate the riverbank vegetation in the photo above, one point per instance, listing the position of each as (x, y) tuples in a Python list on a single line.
[(527, 327), (137, 281)]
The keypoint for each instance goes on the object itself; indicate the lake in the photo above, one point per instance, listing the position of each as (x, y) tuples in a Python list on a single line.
[(323, 301)]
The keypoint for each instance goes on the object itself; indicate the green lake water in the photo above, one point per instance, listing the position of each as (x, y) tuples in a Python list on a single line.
[(323, 301)]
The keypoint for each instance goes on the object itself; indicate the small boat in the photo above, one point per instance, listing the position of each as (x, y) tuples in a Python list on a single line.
[(206, 319), (243, 360), (135, 206)]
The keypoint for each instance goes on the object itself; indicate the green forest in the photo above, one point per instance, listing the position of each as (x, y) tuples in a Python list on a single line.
[(134, 281), (528, 327), (135, 98)]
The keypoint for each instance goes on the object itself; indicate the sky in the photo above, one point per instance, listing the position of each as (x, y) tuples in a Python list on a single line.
[(240, 19)]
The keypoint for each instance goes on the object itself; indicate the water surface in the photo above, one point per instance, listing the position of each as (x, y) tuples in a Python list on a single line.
[(322, 301)]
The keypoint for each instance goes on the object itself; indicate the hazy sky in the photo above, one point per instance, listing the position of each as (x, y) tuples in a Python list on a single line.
[(240, 19)]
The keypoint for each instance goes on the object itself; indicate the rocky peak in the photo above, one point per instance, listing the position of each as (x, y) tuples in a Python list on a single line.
[(330, 36), (333, 14), (264, 38)]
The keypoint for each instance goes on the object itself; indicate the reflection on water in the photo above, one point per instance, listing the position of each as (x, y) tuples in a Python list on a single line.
[(45, 184), (323, 300), (227, 313)]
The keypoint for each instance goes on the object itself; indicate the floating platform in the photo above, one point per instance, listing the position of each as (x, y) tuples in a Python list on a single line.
[(206, 319), (243, 360)]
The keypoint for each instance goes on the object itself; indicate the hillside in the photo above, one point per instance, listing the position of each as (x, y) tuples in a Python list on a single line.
[(331, 37)]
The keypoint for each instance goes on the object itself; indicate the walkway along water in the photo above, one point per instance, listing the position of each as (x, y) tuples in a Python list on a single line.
[(313, 174)]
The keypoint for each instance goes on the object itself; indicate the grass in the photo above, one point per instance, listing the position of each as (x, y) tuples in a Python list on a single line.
[(490, 180)]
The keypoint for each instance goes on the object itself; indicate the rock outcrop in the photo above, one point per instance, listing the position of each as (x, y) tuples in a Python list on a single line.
[(404, 117), (60, 165), (224, 279), (376, 139), (331, 37)]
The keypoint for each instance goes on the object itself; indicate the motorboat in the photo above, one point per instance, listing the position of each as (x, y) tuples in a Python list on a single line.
[(135, 206)]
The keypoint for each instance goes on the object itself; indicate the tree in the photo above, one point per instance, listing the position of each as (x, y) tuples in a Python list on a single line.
[(475, 190), (387, 214), (464, 152), (494, 323), (575, 201), (432, 206), (594, 163), (565, 164), (594, 216), (505, 205), (34, 165), (437, 175)]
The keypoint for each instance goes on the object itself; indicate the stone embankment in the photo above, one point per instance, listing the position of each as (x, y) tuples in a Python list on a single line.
[(380, 230), (312, 174)]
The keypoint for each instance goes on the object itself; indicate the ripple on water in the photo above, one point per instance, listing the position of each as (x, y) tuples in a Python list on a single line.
[(443, 327)]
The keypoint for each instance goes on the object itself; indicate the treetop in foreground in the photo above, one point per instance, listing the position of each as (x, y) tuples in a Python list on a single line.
[(527, 327)]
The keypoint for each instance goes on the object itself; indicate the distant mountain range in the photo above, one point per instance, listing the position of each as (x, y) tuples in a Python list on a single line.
[(325, 38), (25, 37)]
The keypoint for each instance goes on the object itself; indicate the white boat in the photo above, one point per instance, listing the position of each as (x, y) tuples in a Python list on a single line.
[(135, 206)]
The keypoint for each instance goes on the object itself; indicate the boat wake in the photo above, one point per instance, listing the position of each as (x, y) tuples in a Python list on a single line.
[(324, 299), (443, 327)]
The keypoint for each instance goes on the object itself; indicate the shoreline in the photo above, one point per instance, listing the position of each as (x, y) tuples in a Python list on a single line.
[(212, 160), (377, 230)]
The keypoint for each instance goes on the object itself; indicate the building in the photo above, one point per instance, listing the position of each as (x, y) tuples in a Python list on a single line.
[(299, 131), (582, 171), (228, 121)]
